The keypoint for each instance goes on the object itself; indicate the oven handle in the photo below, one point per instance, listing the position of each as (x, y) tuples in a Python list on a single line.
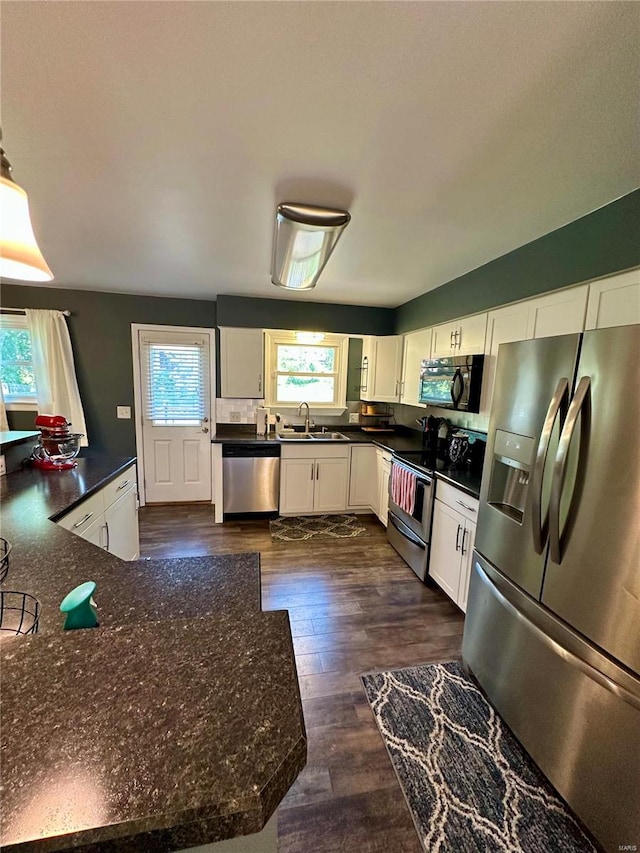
[(406, 532), (422, 478)]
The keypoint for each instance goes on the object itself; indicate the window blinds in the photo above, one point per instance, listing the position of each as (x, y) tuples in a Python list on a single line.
[(176, 382)]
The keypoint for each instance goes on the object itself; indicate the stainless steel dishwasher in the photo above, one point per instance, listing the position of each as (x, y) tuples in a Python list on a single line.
[(250, 477)]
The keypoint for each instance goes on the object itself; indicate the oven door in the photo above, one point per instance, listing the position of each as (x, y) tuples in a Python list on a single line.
[(413, 550), (419, 522)]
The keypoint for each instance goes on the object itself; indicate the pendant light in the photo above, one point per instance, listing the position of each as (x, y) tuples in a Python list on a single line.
[(304, 238), (20, 256)]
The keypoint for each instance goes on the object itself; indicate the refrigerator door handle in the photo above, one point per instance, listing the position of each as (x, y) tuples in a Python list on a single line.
[(560, 467), (557, 406)]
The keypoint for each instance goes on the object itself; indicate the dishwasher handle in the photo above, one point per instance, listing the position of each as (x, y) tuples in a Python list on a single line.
[(250, 451)]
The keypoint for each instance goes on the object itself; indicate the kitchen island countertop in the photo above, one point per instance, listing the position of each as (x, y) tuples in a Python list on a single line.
[(176, 722)]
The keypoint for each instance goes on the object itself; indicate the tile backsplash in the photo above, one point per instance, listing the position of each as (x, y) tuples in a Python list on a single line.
[(236, 410)]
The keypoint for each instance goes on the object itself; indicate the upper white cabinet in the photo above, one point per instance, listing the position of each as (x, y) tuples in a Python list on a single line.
[(504, 325), (381, 368), (459, 337), (558, 313), (614, 301), (417, 345), (241, 363)]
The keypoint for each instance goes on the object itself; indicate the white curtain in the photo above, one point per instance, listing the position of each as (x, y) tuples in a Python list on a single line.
[(3, 412), (54, 368)]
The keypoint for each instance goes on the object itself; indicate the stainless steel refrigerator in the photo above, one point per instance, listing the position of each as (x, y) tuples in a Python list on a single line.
[(552, 630)]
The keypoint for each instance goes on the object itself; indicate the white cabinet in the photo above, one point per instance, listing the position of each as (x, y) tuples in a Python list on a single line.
[(109, 517), (121, 527), (383, 460), (241, 363), (417, 345), (452, 541), (459, 337), (363, 475), (559, 313), (381, 368), (614, 301), (313, 479), (504, 325)]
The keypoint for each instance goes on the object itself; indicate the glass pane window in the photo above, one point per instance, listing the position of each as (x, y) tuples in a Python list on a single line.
[(16, 365), (293, 358), (311, 389), (177, 384)]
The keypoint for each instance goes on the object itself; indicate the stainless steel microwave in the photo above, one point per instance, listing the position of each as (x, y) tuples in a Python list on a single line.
[(452, 383)]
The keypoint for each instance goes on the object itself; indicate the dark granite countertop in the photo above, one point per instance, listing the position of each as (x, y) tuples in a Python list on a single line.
[(403, 439), (462, 478), (177, 722)]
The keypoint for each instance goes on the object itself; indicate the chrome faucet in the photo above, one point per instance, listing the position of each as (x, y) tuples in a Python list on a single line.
[(307, 422)]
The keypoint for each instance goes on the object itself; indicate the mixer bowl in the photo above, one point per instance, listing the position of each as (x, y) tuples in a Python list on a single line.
[(58, 450)]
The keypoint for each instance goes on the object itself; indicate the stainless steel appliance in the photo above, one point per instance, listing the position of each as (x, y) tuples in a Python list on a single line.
[(410, 533), (452, 383), (552, 632), (251, 477), (57, 446)]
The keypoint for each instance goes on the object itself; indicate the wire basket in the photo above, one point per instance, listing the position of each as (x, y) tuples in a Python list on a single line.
[(5, 550), (19, 613)]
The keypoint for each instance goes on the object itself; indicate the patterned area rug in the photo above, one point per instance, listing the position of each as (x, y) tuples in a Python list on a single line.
[(297, 528), (468, 783)]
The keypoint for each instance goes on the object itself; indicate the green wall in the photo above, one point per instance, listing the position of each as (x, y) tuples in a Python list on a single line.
[(603, 242), (308, 316), (100, 329)]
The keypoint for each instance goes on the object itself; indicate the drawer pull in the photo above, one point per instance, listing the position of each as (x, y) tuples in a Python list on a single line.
[(466, 506), (126, 483), (82, 520)]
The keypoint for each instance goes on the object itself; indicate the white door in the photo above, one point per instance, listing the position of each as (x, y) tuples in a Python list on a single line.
[(297, 481), (444, 564), (362, 476), (121, 521), (417, 345), (241, 358), (331, 477), (175, 382), (388, 368)]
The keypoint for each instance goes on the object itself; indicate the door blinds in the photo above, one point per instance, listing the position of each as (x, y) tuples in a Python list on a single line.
[(176, 380)]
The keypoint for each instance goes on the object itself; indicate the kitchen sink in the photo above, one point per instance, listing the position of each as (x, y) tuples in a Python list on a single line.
[(329, 436), (294, 436)]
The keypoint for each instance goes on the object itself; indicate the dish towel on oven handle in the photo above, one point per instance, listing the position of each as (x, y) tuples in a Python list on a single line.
[(403, 488)]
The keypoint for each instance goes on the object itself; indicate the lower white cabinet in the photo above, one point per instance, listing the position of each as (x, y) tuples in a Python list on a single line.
[(452, 541), (383, 459), (109, 517), (363, 475), (313, 479)]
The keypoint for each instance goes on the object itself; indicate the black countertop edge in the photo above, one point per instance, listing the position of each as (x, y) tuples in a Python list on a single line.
[(121, 465), (409, 440), (463, 480)]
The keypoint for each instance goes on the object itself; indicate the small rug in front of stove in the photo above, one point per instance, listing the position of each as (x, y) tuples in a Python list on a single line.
[(298, 528), (469, 784)]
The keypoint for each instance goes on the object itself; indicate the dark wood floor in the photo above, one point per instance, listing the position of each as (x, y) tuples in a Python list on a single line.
[(354, 606)]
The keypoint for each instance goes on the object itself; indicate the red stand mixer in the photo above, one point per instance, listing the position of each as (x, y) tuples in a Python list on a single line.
[(57, 447)]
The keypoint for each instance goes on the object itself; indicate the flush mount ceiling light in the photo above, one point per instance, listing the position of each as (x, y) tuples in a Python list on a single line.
[(304, 238), (20, 256), (309, 337)]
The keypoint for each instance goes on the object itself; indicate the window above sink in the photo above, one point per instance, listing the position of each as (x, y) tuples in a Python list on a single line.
[(296, 371)]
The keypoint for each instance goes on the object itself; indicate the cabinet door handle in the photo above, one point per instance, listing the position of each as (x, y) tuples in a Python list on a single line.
[(106, 527), (317, 470), (259, 384), (452, 338), (458, 537), (123, 485), (82, 520), (464, 539), (466, 506), (313, 466)]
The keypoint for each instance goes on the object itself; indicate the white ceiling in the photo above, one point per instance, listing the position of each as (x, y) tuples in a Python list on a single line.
[(156, 138)]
